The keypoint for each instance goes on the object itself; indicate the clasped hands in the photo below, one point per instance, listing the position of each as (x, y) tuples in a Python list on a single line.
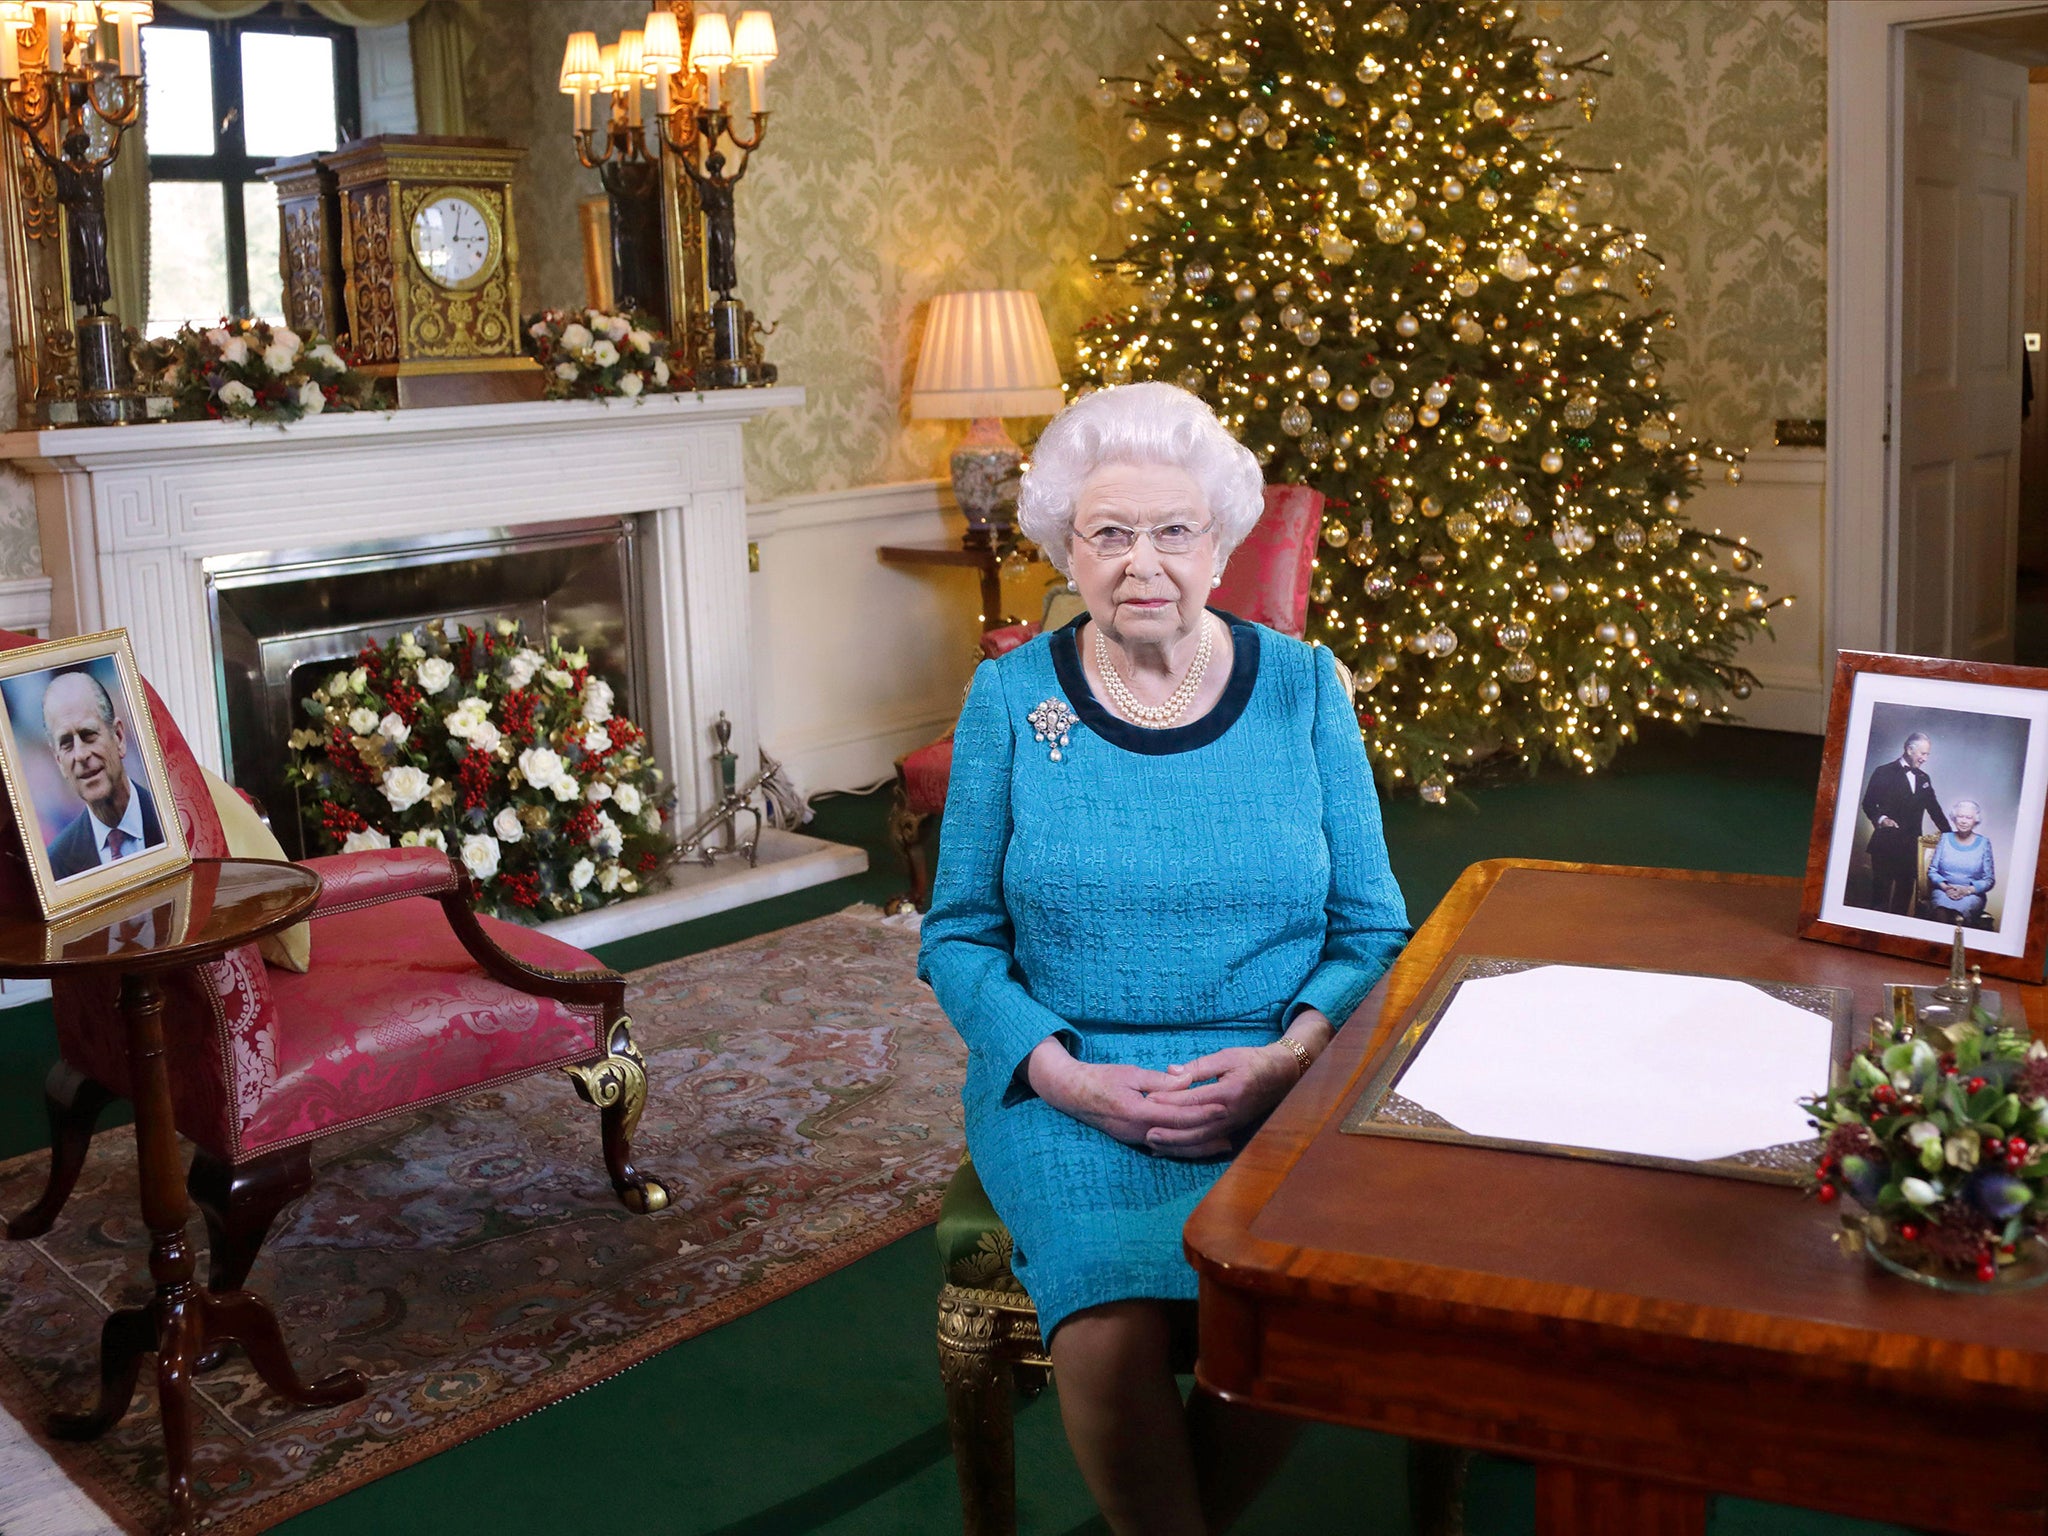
[(1194, 1109)]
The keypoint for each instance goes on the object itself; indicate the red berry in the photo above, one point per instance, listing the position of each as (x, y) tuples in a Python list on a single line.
[(1882, 1094), (1910, 1231), (1828, 1193), (1994, 1146), (2017, 1144), (1987, 1271), (1976, 1085)]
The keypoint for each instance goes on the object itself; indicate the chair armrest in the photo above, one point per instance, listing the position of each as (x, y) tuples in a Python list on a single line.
[(600, 985), (1000, 642), (352, 880)]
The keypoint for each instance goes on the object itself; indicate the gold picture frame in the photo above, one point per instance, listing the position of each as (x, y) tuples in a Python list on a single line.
[(62, 833)]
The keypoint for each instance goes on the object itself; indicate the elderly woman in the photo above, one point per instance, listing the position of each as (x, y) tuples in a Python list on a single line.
[(1961, 869), (1162, 886)]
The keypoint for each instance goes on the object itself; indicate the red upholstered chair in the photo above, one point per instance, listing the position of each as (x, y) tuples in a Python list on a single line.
[(412, 999), (1267, 581)]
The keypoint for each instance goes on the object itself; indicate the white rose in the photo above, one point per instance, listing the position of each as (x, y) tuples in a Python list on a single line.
[(597, 739), (280, 359), (466, 716), (608, 878), (337, 685), (327, 358), (508, 627), (283, 336), (235, 392), (604, 354), (608, 839), (538, 330), (393, 729), (661, 371), (366, 841), (627, 799), (580, 873), (521, 665), (1918, 1192), (312, 397), (567, 372), (631, 385), (597, 700), (640, 341), (540, 767), (565, 788), (598, 791), (485, 737), (433, 837), (405, 786), (560, 678), (362, 721), (219, 337), (629, 882), (409, 647), (480, 855), (506, 825), (435, 673), (235, 351), (616, 327), (652, 820), (575, 337)]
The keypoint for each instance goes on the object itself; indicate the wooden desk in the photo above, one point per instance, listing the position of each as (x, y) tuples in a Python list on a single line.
[(1646, 1338)]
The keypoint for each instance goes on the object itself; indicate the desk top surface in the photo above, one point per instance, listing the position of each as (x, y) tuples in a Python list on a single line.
[(200, 912), (1309, 1212)]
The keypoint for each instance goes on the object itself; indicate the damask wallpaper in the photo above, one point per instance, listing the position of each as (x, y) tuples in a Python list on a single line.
[(1718, 115)]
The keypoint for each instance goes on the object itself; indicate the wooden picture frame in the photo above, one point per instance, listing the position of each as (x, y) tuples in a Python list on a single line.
[(61, 831), (1980, 733)]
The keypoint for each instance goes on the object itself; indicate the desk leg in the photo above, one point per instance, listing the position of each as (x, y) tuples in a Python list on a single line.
[(1574, 1502), (183, 1320), (992, 593)]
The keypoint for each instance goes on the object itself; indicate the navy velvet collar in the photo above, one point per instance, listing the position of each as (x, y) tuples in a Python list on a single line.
[(1119, 732)]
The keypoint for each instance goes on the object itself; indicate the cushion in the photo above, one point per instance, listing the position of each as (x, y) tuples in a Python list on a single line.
[(1269, 574), (401, 1015), (926, 773), (249, 838), (974, 1245)]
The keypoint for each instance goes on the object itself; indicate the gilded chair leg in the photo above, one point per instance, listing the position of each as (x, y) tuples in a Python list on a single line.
[(1436, 1488), (240, 1203), (74, 1102), (980, 1414), (616, 1083)]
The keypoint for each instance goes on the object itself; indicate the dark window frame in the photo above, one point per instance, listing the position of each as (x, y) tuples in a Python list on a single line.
[(230, 164)]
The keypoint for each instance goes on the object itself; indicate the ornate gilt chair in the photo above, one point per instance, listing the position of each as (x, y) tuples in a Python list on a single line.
[(989, 1346), (411, 999), (1267, 581)]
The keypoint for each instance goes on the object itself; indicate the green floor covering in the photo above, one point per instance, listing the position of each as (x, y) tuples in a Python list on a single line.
[(823, 1412)]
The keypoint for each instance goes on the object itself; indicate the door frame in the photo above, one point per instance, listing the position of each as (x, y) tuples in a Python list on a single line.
[(1866, 61)]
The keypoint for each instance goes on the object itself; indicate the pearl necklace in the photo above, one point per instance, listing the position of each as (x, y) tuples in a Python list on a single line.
[(1153, 716)]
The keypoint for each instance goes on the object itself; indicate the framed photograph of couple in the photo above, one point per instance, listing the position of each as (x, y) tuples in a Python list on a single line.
[(1930, 815), (87, 792)]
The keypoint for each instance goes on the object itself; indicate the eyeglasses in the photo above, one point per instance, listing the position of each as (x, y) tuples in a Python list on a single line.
[(1168, 538)]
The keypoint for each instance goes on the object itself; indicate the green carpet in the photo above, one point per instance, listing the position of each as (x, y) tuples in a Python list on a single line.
[(822, 1412)]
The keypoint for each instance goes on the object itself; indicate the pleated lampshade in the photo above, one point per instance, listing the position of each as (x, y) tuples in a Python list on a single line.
[(986, 353)]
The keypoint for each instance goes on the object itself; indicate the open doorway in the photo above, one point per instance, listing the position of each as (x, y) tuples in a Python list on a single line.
[(1970, 454)]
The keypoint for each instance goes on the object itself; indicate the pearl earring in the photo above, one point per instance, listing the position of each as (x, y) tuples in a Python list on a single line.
[(1216, 580), (1073, 585)]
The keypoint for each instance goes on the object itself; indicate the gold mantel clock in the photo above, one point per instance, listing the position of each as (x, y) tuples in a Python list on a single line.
[(430, 267)]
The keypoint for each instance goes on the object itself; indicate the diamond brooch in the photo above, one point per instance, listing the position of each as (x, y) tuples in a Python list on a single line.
[(1050, 722)]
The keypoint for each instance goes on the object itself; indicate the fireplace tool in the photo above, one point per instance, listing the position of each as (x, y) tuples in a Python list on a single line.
[(697, 846)]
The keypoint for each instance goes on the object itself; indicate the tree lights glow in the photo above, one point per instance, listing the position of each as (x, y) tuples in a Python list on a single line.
[(1366, 245)]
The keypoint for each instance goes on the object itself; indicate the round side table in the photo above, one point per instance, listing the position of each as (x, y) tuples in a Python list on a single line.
[(214, 906)]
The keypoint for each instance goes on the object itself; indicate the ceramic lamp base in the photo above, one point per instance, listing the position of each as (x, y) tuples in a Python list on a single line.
[(985, 470)]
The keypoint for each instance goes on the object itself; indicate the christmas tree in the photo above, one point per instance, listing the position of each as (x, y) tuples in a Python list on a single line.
[(1362, 242)]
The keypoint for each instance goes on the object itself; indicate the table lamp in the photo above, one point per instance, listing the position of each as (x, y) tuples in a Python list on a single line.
[(986, 355)]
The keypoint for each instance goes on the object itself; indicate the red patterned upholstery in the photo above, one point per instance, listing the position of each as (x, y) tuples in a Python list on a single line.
[(1002, 641), (1267, 579), (395, 1012), (925, 774)]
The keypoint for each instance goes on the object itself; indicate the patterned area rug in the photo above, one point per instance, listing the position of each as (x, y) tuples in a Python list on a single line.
[(804, 1110)]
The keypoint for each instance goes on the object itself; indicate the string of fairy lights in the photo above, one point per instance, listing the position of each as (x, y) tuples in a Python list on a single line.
[(1365, 244)]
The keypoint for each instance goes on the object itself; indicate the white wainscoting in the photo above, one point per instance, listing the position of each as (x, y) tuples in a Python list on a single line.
[(856, 662), (1780, 508)]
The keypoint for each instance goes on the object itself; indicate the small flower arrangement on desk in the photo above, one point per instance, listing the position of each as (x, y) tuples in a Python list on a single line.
[(251, 370), (1940, 1135), (591, 355), (507, 754)]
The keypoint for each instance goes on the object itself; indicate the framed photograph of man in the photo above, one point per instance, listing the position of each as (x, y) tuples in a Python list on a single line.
[(84, 777), (1930, 814)]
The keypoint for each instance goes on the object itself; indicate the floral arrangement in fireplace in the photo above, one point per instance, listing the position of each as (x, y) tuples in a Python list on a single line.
[(507, 754), (251, 370), (590, 355)]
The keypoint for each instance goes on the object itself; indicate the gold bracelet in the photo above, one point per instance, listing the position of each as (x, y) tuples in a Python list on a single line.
[(1302, 1059)]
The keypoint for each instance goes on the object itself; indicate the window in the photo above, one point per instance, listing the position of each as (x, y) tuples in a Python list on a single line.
[(224, 101)]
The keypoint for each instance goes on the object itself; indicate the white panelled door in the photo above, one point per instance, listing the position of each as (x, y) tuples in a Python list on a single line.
[(1957, 423)]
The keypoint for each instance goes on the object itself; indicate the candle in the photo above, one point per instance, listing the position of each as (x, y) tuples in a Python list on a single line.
[(711, 81), (128, 39), (582, 107), (10, 52), (54, 25), (661, 102)]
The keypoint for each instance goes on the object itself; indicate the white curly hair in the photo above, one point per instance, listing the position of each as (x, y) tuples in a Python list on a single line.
[(1148, 423)]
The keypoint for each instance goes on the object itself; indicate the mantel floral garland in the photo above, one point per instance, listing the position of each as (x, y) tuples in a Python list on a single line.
[(251, 370), (591, 355), (505, 754)]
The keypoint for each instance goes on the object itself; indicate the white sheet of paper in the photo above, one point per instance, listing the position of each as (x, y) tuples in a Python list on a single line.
[(1688, 1067)]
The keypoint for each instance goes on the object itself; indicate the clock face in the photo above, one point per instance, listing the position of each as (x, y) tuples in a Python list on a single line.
[(453, 242)]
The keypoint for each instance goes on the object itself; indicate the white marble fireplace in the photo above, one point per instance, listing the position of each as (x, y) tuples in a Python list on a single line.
[(130, 515)]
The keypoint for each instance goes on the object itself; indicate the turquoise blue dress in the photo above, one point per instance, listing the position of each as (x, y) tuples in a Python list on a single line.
[(1954, 864), (1149, 896)]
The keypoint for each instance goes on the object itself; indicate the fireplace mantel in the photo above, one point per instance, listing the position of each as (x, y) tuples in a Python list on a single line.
[(129, 514)]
